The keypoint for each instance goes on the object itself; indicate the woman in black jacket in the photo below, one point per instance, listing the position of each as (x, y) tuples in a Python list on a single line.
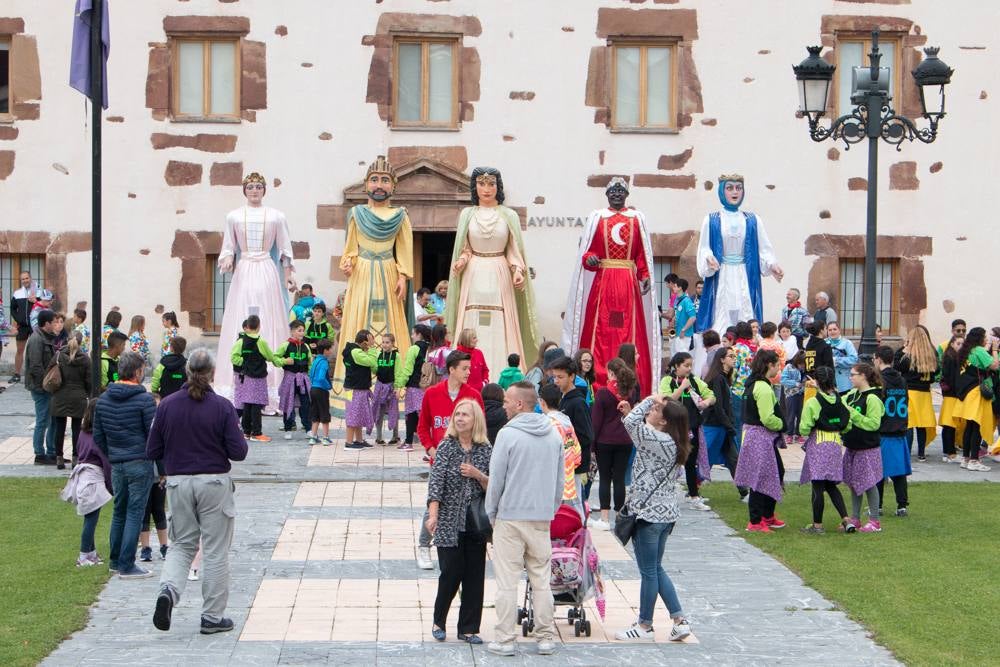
[(719, 426), (70, 400)]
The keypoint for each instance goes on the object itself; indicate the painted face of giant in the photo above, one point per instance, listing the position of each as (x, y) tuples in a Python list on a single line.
[(616, 197), (379, 187), (734, 193), (486, 189)]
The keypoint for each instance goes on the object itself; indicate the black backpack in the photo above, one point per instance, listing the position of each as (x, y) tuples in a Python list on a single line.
[(833, 417)]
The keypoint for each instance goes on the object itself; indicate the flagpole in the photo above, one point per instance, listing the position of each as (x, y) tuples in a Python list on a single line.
[(96, 105)]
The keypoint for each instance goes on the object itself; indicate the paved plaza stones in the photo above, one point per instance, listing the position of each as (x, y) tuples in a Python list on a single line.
[(323, 572)]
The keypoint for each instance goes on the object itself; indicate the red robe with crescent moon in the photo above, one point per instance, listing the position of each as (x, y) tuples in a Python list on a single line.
[(614, 306)]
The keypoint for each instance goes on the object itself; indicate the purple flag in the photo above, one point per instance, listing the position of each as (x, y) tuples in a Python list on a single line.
[(79, 65)]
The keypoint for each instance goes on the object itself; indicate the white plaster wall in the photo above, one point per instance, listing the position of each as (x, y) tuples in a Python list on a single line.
[(557, 143)]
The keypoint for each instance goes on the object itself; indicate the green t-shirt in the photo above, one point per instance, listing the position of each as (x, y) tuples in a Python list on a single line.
[(980, 358)]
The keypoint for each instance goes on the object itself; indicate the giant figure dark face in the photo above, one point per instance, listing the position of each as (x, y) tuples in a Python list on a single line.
[(617, 194)]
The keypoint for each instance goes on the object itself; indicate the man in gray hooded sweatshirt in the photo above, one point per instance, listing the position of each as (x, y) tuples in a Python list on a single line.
[(525, 490)]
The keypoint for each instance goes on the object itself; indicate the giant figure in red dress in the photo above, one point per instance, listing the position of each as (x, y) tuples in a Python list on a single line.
[(610, 300)]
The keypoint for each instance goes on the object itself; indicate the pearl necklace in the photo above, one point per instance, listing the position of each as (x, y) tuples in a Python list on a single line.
[(487, 224)]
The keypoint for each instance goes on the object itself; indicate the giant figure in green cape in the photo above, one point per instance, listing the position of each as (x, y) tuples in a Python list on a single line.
[(490, 287)]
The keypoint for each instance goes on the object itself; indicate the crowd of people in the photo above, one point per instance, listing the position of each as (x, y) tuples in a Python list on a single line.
[(506, 451)]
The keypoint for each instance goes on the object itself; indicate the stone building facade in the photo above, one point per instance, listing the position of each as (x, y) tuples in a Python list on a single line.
[(561, 96)]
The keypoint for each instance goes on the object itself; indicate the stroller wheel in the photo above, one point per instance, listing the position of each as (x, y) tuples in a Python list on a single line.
[(577, 629), (524, 628), (586, 628)]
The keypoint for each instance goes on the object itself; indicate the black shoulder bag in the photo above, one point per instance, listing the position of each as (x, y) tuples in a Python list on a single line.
[(625, 522)]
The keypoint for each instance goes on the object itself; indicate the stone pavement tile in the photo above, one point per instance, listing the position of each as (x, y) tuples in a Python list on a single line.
[(17, 451)]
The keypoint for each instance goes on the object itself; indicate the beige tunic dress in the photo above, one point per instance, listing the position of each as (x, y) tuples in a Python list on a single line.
[(487, 302)]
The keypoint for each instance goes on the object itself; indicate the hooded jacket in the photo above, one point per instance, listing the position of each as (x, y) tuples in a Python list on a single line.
[(574, 405), (70, 400), (38, 352), (526, 470), (122, 421)]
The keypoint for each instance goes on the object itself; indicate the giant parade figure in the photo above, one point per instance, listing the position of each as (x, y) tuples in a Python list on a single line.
[(490, 288), (378, 261), (610, 300), (257, 250), (733, 253)]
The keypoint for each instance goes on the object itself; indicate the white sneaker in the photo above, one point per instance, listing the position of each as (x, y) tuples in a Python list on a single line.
[(699, 504), (745, 499), (948, 459), (424, 561), (635, 633), (598, 524), (964, 464), (193, 574), (501, 648), (546, 647), (288, 435), (976, 466), (680, 630), (995, 457)]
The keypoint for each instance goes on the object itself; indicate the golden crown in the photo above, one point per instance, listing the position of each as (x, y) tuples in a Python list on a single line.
[(381, 166), (254, 177), (738, 178)]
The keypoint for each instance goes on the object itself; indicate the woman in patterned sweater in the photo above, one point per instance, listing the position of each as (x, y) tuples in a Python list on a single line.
[(459, 475), (659, 428)]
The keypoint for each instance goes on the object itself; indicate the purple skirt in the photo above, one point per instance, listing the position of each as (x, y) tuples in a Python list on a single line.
[(862, 469), (757, 468), (823, 462), (412, 400), (385, 402), (249, 390), (704, 468), (292, 387), (358, 410)]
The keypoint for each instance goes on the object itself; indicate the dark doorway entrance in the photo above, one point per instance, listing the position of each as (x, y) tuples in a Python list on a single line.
[(432, 256)]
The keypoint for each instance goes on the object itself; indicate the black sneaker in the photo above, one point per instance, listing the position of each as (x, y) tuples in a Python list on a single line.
[(41, 461), (365, 444), (163, 552), (354, 445), (14, 379), (146, 555), (164, 609), (901, 512), (50, 460), (211, 627)]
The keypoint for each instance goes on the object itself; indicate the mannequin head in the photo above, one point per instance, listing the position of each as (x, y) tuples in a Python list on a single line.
[(380, 181), (617, 193), (731, 191), (254, 188), (486, 186)]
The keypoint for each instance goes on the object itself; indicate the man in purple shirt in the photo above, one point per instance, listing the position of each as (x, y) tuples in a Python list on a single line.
[(196, 434)]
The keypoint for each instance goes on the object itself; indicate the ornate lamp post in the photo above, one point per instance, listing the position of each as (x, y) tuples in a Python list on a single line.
[(873, 118)]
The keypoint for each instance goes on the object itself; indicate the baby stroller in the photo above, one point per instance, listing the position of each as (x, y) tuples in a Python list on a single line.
[(575, 574)]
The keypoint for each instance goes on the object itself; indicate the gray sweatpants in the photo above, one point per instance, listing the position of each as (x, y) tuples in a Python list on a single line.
[(202, 508)]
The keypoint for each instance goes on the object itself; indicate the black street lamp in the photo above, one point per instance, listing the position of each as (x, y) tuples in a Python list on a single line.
[(873, 118)]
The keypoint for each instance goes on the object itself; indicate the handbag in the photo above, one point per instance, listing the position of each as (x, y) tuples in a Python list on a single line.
[(986, 388), (625, 522), (53, 378), (477, 521)]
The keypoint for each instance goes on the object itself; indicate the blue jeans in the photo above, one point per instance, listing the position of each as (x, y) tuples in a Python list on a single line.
[(43, 439), (628, 468), (131, 482), (89, 528), (649, 544)]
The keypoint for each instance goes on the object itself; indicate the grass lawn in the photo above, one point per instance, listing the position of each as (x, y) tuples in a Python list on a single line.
[(45, 596), (922, 586)]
